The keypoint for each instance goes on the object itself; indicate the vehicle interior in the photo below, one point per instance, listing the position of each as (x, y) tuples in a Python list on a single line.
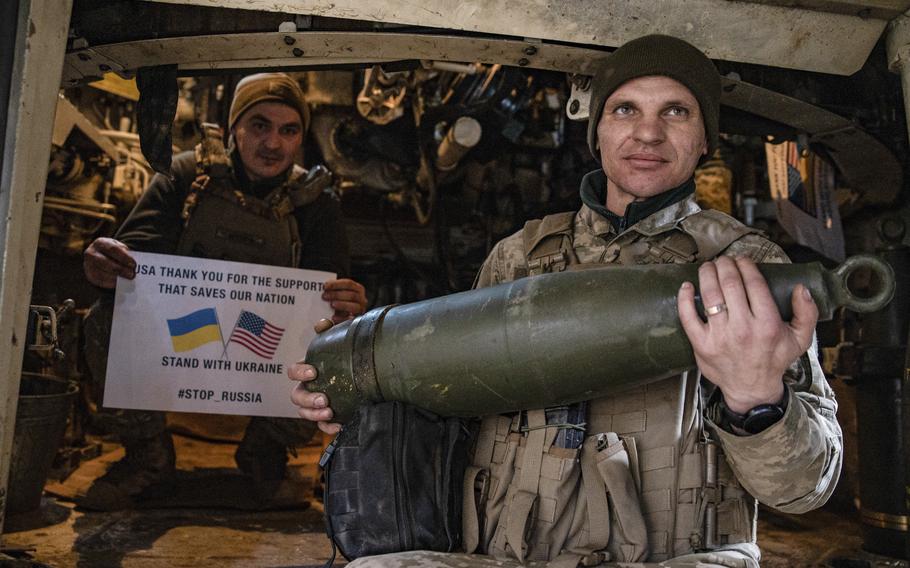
[(813, 152)]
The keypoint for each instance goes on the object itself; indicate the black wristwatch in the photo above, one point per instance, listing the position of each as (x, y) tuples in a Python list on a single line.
[(757, 419)]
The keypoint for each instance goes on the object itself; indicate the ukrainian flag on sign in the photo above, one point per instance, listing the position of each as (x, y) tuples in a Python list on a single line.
[(194, 330)]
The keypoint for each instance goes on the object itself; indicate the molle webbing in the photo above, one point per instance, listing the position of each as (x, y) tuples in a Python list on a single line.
[(657, 411)]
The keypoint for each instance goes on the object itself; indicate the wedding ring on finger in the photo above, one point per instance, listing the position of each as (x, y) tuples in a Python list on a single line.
[(714, 310)]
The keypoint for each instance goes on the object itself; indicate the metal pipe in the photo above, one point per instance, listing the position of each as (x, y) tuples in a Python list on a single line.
[(461, 137), (84, 212), (466, 68), (115, 135), (87, 204), (898, 50), (879, 354), (542, 341)]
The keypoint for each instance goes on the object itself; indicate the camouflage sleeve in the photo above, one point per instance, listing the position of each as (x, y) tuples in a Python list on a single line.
[(490, 270), (794, 465), (501, 264), (758, 249)]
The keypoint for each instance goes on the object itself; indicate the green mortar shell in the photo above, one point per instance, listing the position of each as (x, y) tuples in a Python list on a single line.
[(542, 341)]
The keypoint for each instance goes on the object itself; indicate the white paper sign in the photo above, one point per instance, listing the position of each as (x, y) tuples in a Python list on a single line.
[(197, 335)]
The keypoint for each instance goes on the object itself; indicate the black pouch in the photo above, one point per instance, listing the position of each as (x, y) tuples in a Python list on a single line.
[(393, 481)]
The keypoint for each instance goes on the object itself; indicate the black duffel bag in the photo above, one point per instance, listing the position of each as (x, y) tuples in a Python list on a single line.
[(393, 482)]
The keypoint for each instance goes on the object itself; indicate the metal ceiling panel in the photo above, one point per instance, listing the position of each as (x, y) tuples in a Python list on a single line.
[(879, 9), (795, 37), (301, 49)]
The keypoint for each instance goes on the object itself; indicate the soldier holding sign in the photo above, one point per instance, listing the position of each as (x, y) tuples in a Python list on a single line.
[(247, 203)]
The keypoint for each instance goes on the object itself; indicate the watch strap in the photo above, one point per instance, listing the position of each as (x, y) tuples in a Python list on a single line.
[(757, 419)]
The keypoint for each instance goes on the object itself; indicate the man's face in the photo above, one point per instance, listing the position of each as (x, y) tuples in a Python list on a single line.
[(267, 136), (651, 137)]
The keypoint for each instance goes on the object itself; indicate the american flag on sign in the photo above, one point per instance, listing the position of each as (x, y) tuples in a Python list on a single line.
[(256, 334)]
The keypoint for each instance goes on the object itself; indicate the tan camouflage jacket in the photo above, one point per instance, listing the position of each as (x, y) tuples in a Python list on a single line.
[(792, 466)]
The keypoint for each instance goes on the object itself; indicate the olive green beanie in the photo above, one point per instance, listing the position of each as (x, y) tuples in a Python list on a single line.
[(658, 55), (263, 87)]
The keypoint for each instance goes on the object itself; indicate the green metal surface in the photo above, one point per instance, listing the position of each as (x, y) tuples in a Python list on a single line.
[(542, 341)]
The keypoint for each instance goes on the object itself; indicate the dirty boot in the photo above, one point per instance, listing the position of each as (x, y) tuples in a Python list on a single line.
[(263, 457), (148, 462)]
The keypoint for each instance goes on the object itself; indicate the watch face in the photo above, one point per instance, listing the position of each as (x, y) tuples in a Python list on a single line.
[(762, 417)]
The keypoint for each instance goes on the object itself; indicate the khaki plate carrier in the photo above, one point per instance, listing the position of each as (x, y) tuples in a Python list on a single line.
[(648, 484)]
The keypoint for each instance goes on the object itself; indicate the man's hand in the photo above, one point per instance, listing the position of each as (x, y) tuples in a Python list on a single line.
[(106, 259), (347, 297), (314, 406), (744, 347)]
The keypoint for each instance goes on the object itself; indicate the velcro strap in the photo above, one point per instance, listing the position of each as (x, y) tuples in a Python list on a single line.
[(691, 471), (535, 445), (634, 461), (486, 440), (613, 465), (522, 512), (658, 458), (525, 499), (469, 516), (595, 496)]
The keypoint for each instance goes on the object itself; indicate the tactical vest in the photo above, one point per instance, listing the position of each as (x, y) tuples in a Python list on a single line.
[(222, 222), (670, 489)]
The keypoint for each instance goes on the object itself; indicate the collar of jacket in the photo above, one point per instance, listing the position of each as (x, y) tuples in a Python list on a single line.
[(590, 222), (594, 195)]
